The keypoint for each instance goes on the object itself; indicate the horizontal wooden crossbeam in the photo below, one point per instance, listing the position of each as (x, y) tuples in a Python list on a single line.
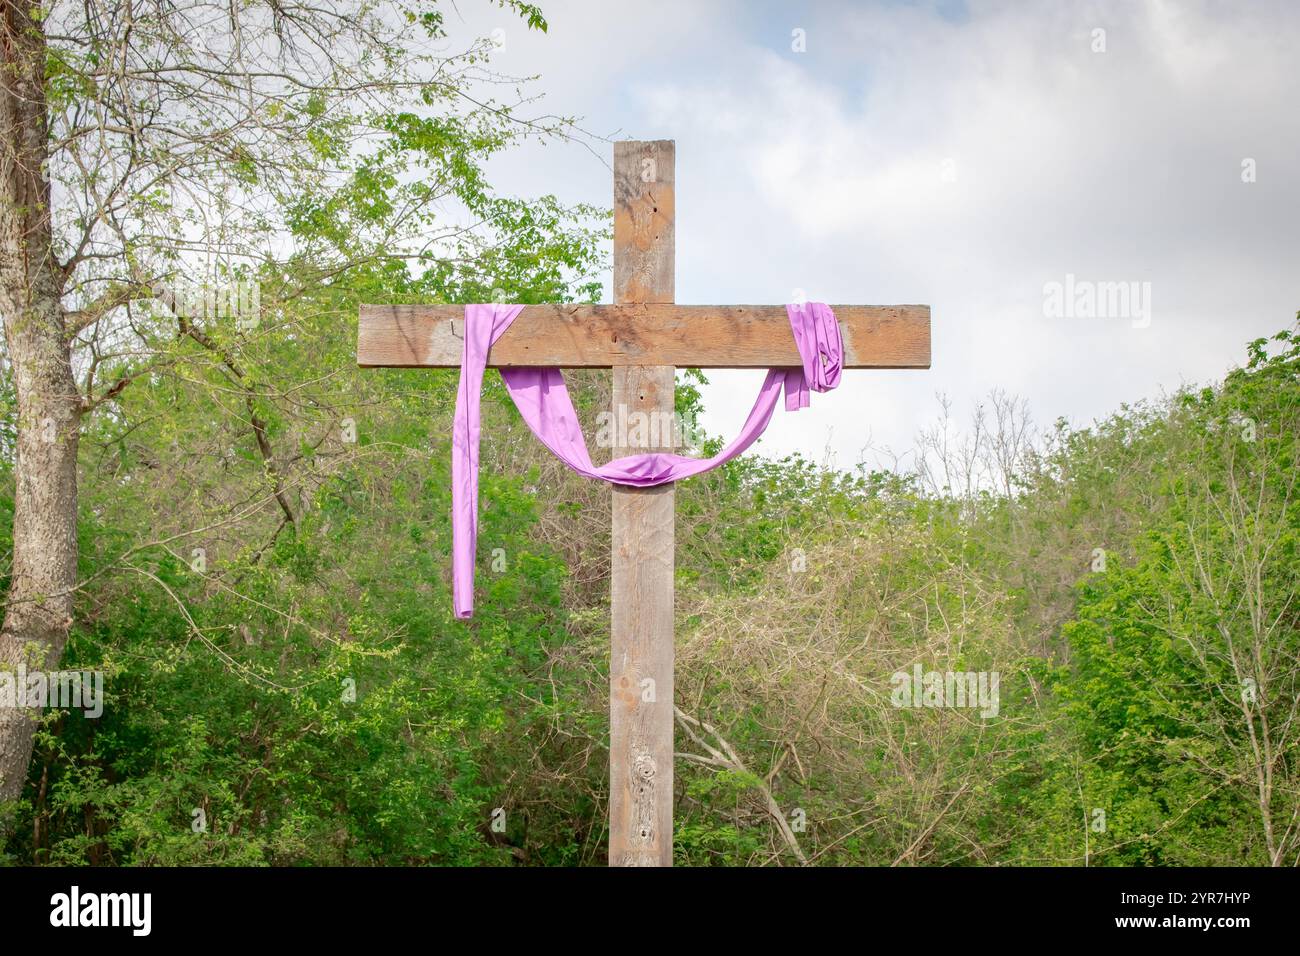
[(601, 336)]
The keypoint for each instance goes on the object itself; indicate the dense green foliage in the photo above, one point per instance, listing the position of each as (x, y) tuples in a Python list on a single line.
[(802, 591)]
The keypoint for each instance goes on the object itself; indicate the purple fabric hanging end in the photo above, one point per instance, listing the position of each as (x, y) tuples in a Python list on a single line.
[(544, 403), (483, 326)]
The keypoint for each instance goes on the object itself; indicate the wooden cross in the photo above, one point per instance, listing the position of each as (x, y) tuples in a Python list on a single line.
[(644, 337)]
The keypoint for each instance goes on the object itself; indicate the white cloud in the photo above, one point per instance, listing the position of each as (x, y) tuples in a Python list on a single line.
[(825, 170)]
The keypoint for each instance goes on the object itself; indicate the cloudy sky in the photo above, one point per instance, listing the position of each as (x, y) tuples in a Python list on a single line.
[(964, 155)]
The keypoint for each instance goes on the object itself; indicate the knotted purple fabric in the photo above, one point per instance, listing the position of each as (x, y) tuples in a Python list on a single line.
[(542, 399)]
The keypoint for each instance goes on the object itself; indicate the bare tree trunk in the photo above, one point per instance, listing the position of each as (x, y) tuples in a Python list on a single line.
[(39, 610)]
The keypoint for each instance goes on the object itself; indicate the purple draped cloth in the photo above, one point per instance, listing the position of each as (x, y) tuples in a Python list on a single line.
[(542, 399)]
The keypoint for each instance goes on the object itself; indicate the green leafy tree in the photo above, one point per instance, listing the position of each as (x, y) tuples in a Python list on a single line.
[(182, 184)]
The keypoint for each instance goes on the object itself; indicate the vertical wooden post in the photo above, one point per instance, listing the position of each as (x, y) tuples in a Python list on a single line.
[(641, 567)]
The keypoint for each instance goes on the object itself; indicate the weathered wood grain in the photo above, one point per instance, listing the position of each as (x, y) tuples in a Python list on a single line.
[(634, 333), (642, 557)]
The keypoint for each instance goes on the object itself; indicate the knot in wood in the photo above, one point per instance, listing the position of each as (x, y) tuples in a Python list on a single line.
[(644, 767)]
